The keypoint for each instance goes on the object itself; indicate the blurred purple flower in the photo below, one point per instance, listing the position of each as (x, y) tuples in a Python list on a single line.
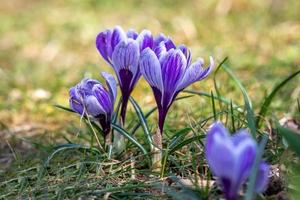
[(168, 70), (122, 51), (91, 98), (231, 159), (262, 178)]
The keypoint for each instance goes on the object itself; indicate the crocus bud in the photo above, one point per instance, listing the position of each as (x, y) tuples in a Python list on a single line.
[(92, 99)]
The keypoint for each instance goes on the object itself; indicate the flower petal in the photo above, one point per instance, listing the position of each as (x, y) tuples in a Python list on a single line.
[(84, 88), (103, 44), (217, 130), (186, 52), (191, 75), (126, 56), (103, 98), (160, 50), (158, 39), (150, 69), (145, 40), (75, 101), (262, 177), (132, 34), (221, 157), (92, 106), (117, 36), (173, 65), (195, 72), (240, 136), (169, 44), (245, 153), (112, 85)]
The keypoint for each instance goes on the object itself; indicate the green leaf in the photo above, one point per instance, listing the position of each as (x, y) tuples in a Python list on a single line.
[(115, 115), (146, 116), (253, 175), (205, 94), (215, 80), (186, 142), (266, 104), (64, 108), (292, 138), (248, 104), (213, 105), (129, 137), (67, 147), (178, 137), (143, 121)]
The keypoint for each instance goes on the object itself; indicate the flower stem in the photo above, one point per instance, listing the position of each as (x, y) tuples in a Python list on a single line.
[(108, 143), (157, 152)]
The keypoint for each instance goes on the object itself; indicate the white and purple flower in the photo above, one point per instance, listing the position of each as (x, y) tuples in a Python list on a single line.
[(168, 70), (122, 51), (231, 159), (91, 98)]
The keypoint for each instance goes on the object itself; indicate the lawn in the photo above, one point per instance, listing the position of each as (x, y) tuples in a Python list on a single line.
[(48, 46)]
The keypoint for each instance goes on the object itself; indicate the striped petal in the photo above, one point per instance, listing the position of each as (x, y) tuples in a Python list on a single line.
[(195, 72), (132, 34), (117, 36), (111, 84), (150, 69), (126, 56), (173, 65), (103, 98), (103, 45), (75, 101), (92, 106), (145, 40)]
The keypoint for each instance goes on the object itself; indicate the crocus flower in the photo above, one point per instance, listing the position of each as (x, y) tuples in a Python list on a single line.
[(122, 51), (168, 70), (92, 99), (231, 159)]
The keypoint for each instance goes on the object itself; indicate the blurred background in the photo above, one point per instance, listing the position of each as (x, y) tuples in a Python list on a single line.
[(48, 46)]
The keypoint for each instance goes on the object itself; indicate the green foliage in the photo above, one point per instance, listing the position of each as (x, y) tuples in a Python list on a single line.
[(292, 138)]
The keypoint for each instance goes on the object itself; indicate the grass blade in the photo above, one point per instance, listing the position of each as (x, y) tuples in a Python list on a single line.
[(64, 108), (179, 136), (205, 94), (129, 137), (67, 147), (186, 142), (213, 105), (215, 80), (248, 104), (266, 104), (143, 121)]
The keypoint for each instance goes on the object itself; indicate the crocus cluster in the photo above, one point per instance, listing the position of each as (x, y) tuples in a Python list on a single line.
[(90, 98), (165, 66), (168, 68), (231, 159)]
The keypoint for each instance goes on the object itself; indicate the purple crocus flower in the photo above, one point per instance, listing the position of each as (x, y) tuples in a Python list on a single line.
[(91, 98), (122, 51), (168, 70), (231, 159)]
